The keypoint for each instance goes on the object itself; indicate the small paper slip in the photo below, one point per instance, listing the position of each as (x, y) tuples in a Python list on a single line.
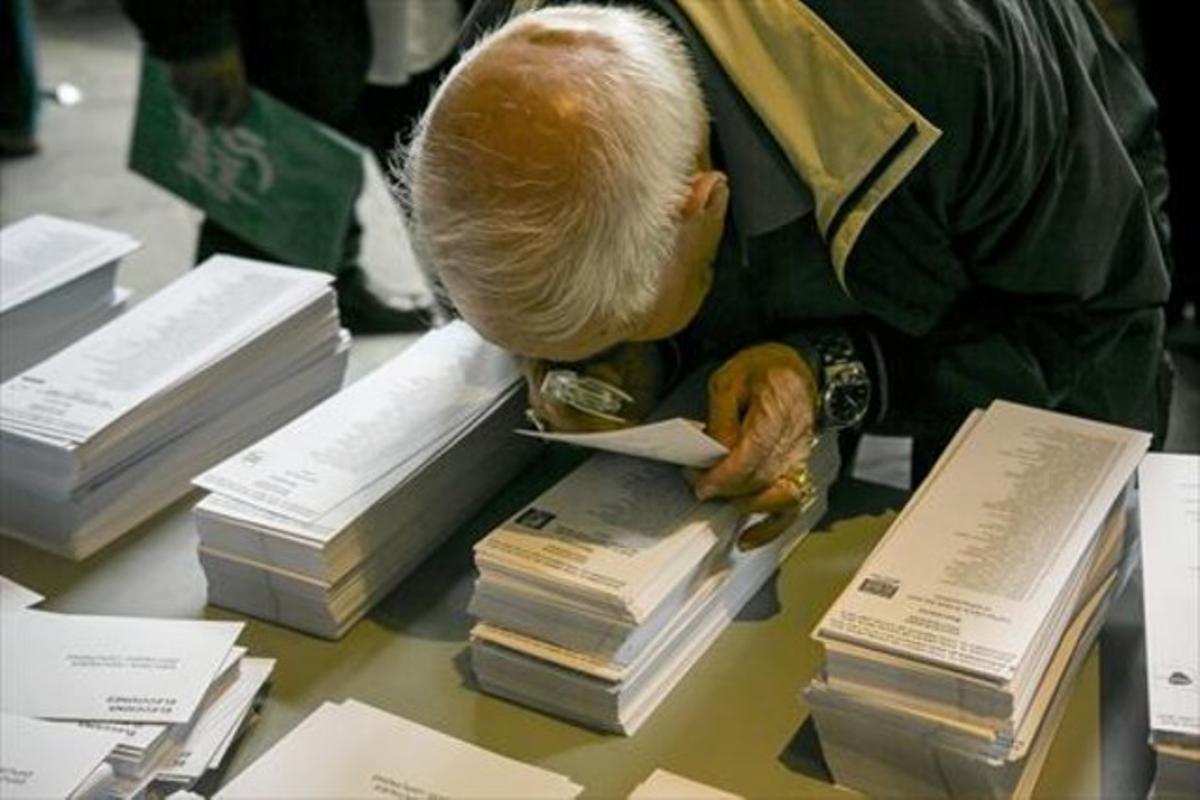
[(43, 252), (676, 441), (41, 759), (118, 669), (663, 785), (191, 324), (1169, 489), (355, 750), (395, 415), (14, 596)]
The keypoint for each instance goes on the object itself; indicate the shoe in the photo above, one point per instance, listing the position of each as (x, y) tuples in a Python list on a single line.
[(17, 145), (363, 312)]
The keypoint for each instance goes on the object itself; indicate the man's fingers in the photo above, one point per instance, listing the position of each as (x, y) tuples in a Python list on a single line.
[(748, 468), (726, 398), (784, 494), (766, 531)]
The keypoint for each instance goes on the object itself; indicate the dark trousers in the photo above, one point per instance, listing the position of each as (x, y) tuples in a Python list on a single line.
[(18, 69)]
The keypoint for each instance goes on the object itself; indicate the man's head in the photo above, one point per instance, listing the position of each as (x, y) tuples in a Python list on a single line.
[(559, 183)]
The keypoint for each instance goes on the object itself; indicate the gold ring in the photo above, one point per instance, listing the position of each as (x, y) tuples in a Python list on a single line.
[(800, 483)]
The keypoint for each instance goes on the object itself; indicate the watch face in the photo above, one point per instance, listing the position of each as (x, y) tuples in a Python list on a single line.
[(847, 396)]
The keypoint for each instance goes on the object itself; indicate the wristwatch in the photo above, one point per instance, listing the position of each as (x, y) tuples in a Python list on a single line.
[(845, 385)]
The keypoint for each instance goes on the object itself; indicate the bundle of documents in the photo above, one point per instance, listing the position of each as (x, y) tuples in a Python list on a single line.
[(1169, 493), (664, 785), (57, 283), (950, 655), (350, 749), (595, 600), (315, 524), (106, 432), (97, 706)]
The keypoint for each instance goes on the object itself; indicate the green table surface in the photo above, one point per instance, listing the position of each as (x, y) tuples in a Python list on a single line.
[(736, 721)]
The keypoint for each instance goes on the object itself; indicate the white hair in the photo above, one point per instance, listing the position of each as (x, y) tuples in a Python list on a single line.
[(550, 254)]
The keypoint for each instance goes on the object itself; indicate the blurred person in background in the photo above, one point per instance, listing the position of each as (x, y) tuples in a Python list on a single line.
[(362, 67), (18, 80)]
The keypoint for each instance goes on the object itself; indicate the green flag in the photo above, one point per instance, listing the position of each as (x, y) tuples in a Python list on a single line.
[(278, 179)]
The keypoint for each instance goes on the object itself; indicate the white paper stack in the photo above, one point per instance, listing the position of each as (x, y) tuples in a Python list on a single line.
[(57, 283), (596, 599), (1169, 490), (355, 750), (950, 655), (315, 524), (166, 698), (664, 785), (108, 431)]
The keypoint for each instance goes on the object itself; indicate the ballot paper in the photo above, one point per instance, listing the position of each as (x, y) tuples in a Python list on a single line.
[(338, 449), (43, 253), (122, 669), (354, 750), (40, 760), (676, 441), (191, 324), (217, 723), (624, 555), (1169, 489), (57, 284), (969, 577), (663, 785), (14, 596)]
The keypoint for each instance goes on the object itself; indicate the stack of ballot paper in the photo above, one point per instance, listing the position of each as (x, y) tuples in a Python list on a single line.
[(596, 599), (1169, 493), (106, 432), (99, 706), (57, 283), (950, 655), (350, 749), (663, 785), (315, 524)]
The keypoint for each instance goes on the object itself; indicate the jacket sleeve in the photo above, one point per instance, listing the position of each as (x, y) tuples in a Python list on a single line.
[(183, 29), (1028, 265)]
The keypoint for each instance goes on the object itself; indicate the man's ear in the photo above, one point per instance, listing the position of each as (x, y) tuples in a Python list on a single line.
[(702, 192)]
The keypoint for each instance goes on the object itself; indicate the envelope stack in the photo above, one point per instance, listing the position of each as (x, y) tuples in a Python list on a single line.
[(109, 430), (596, 599), (57, 284), (1169, 509), (951, 654), (95, 706), (315, 524)]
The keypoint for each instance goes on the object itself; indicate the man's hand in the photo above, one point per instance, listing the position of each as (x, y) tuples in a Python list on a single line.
[(635, 368), (213, 87), (762, 405)]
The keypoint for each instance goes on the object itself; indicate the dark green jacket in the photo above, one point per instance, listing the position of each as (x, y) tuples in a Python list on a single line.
[(1022, 258)]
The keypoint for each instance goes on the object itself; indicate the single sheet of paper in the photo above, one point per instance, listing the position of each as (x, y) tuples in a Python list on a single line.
[(676, 441), (663, 785), (14, 596), (194, 321), (970, 570), (401, 411), (355, 750), (1169, 489), (120, 669), (43, 252), (41, 759)]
